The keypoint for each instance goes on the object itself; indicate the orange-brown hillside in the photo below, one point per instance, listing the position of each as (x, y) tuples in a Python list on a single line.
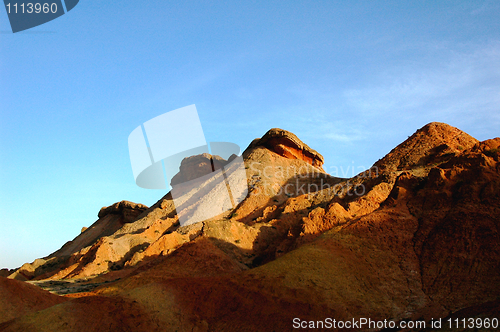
[(18, 298), (415, 237)]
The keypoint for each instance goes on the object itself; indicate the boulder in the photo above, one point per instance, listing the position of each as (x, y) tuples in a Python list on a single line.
[(197, 166), (129, 210)]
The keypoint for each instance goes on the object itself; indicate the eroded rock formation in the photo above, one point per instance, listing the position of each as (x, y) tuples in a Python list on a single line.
[(414, 237), (197, 166), (128, 211), (288, 145)]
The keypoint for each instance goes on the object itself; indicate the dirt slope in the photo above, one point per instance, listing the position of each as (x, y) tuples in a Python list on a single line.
[(18, 298)]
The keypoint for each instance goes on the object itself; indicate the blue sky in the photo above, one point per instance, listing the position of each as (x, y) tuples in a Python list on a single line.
[(352, 79)]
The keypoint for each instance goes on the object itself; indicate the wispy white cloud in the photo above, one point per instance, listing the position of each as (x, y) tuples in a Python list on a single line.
[(342, 137), (462, 88), (364, 121)]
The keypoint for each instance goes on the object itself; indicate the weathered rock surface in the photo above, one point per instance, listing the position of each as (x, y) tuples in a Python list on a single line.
[(288, 145), (433, 142), (197, 166), (129, 211)]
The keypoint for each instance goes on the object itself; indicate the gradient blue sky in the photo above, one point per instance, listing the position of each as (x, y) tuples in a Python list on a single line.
[(352, 79)]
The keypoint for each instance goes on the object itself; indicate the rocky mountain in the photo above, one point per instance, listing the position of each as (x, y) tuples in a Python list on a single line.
[(415, 237)]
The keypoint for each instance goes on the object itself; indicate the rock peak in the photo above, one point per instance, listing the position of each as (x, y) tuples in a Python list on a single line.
[(197, 166), (432, 140), (288, 145)]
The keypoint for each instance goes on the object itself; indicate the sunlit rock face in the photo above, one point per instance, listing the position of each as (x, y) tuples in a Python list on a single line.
[(288, 145)]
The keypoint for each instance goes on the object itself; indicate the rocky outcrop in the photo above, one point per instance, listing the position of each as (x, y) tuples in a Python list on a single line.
[(129, 211), (38, 267), (430, 144), (197, 166), (288, 145)]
